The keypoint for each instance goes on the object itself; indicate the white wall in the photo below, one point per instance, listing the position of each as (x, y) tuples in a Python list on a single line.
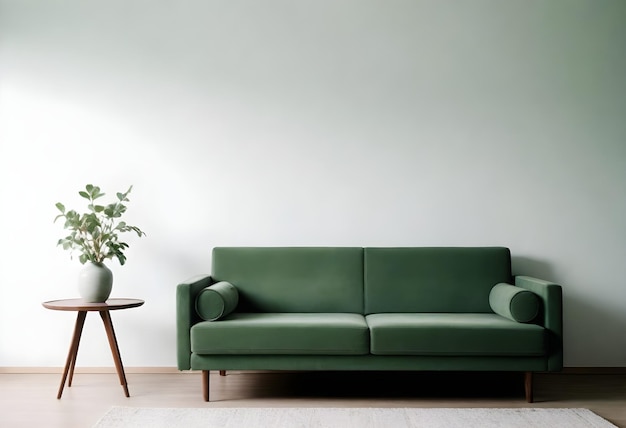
[(354, 122)]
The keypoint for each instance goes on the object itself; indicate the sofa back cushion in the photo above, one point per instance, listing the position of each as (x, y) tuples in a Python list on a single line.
[(437, 279), (293, 279)]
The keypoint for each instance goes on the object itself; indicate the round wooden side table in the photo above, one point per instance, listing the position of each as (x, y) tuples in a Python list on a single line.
[(82, 307)]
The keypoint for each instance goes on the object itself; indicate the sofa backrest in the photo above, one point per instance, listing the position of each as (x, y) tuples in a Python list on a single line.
[(438, 279), (293, 279)]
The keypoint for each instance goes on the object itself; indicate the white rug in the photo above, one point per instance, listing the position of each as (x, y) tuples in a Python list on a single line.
[(122, 417)]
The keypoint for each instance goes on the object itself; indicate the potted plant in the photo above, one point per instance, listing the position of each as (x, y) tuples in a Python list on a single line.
[(95, 234)]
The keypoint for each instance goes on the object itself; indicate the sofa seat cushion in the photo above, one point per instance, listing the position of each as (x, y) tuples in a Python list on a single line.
[(454, 334), (283, 333)]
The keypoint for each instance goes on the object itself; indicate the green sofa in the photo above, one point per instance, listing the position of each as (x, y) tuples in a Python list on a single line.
[(344, 308)]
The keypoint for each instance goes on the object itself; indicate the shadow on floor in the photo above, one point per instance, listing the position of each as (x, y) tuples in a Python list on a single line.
[(382, 385)]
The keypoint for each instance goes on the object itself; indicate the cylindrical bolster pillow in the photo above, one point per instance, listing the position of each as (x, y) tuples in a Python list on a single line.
[(514, 303), (217, 301)]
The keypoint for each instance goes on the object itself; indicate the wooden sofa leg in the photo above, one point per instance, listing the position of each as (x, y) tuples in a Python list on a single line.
[(528, 386), (205, 384), (222, 372)]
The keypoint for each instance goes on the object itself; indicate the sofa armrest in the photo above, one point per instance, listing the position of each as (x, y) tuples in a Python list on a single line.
[(186, 316), (552, 297)]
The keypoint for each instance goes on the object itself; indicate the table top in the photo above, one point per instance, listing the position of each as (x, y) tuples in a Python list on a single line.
[(81, 305)]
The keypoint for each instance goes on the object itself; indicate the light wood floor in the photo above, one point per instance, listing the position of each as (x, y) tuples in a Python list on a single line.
[(28, 400)]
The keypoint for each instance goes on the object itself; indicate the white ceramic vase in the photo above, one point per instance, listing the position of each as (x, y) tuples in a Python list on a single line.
[(95, 282)]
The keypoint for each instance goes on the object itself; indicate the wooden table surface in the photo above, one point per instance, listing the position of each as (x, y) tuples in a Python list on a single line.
[(81, 305)]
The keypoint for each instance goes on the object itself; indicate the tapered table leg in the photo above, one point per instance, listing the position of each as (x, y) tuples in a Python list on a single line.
[(72, 366), (108, 326), (75, 354), (82, 307), (71, 356)]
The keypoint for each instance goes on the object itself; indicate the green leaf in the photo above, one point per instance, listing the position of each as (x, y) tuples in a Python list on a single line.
[(123, 197), (121, 257), (93, 228), (94, 234), (94, 191), (114, 210), (138, 231)]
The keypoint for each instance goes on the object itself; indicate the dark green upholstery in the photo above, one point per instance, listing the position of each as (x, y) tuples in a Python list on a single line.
[(454, 334), (433, 279), (368, 362), (297, 279), (284, 333), (217, 301), (326, 308), (186, 316), (551, 295), (514, 303)]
